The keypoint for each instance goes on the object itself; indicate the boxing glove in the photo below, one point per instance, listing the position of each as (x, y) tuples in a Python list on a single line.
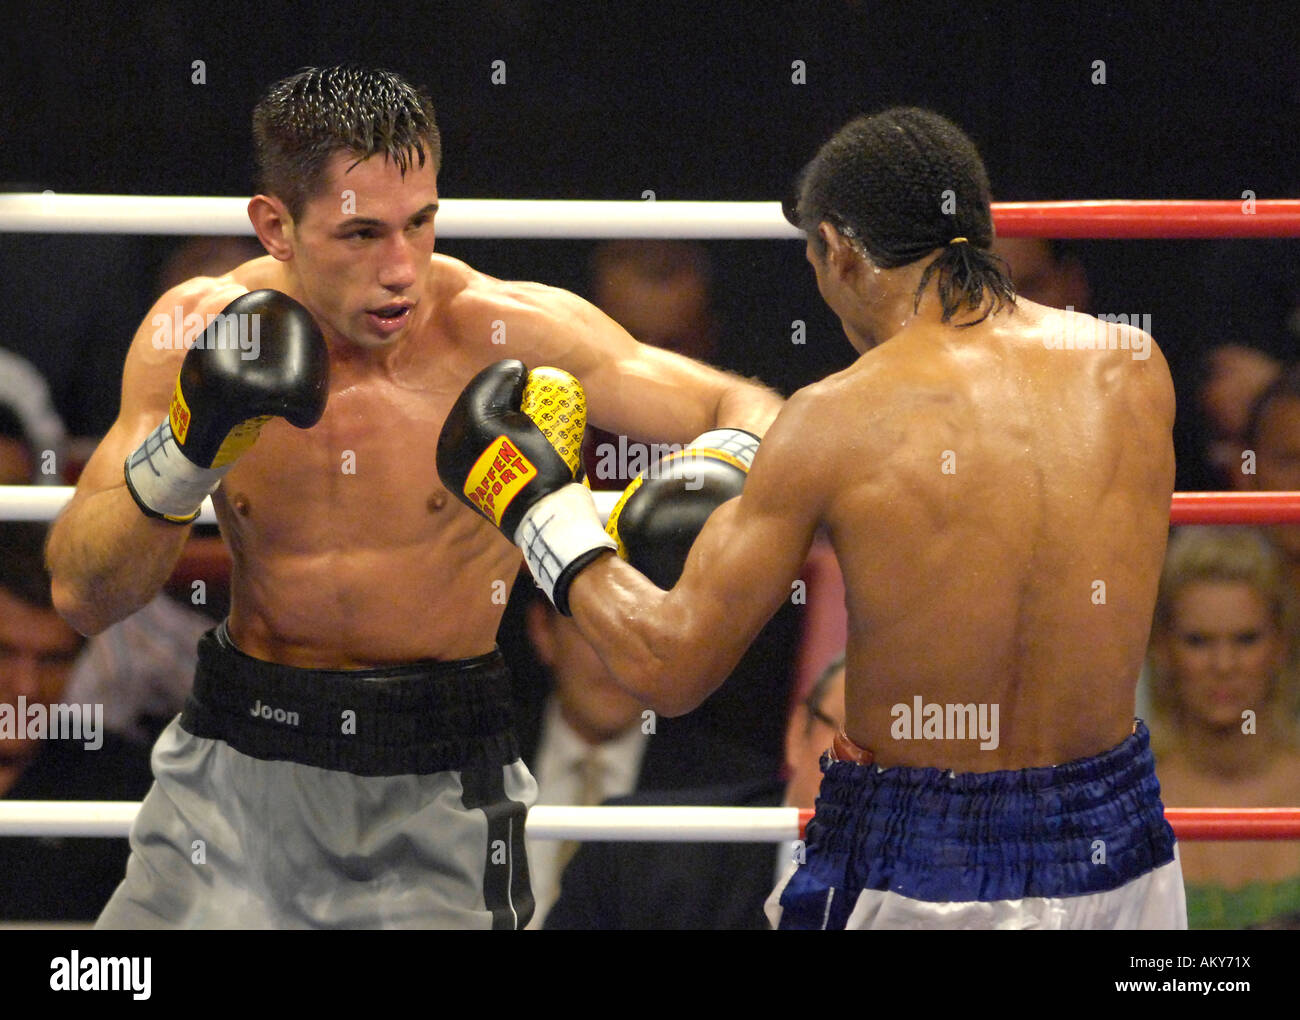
[(658, 518), (223, 398), (510, 450)]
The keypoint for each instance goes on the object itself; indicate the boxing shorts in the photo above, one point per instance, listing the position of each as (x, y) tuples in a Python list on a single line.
[(1079, 845), (307, 798)]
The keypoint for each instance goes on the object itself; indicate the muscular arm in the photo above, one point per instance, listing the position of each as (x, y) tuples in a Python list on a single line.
[(106, 558), (632, 388), (673, 649)]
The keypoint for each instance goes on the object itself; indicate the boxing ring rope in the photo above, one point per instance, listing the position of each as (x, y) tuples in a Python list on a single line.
[(638, 824), (43, 503), (496, 218), (1129, 219), (1255, 508)]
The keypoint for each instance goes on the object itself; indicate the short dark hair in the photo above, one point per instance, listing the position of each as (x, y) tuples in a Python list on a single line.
[(306, 118), (22, 563), (1285, 387), (901, 184)]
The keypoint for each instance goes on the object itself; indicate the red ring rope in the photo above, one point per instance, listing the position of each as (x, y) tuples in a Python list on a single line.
[(1235, 508), (1126, 219), (1209, 823)]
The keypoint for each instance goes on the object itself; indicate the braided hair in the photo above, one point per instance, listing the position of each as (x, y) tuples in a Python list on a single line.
[(900, 184)]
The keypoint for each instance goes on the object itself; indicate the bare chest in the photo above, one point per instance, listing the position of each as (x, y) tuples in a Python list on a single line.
[(365, 475)]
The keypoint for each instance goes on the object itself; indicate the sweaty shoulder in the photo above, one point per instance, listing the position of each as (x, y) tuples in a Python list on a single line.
[(516, 314), (867, 403), (821, 428), (474, 292), (1152, 373), (1127, 356)]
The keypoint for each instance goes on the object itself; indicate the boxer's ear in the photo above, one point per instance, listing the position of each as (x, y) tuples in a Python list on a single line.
[(273, 225), (841, 255), (830, 239)]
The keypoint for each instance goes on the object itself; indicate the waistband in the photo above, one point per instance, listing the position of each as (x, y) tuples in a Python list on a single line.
[(413, 719), (1085, 826)]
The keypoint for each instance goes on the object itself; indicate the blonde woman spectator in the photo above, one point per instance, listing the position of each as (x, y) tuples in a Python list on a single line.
[(1224, 685)]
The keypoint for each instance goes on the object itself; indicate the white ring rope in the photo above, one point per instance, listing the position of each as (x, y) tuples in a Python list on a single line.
[(44, 502), (50, 213), (622, 824)]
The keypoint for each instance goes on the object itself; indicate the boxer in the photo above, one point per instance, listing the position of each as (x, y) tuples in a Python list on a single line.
[(998, 499), (347, 757)]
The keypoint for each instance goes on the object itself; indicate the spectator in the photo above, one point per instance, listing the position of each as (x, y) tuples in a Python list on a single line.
[(1253, 318), (17, 463), (73, 302), (207, 255), (48, 754), (1046, 272), (33, 441), (1235, 376), (591, 742), (136, 669), (1273, 434), (1223, 659), (594, 741), (661, 293), (704, 885)]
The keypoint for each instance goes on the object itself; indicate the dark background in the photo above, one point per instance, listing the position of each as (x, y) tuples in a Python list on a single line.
[(690, 101)]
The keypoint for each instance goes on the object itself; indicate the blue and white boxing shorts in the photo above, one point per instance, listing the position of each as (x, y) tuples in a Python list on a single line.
[(1079, 845)]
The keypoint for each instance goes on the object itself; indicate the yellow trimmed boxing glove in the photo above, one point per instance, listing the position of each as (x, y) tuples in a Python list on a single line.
[(658, 517), (557, 404), (509, 449)]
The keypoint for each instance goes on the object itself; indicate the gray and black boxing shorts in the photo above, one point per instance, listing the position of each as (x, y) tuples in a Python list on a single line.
[(304, 798)]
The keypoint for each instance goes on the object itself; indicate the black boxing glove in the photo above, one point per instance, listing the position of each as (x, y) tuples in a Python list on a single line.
[(658, 518), (223, 397), (510, 450)]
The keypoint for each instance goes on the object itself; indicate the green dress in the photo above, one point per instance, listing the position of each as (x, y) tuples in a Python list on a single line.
[(1212, 906)]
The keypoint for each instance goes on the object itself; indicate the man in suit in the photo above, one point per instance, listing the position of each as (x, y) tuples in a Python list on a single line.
[(592, 741), (703, 885)]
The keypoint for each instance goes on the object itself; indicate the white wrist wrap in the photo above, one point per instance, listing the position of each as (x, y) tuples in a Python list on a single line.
[(734, 442), (163, 480), (559, 535)]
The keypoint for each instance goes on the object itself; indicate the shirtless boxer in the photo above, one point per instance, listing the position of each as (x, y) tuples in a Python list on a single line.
[(999, 501), (346, 758)]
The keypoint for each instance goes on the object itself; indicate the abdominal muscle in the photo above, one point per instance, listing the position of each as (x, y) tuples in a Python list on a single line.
[(336, 572), (347, 610)]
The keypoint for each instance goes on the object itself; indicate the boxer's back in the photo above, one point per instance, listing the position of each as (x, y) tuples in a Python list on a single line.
[(1000, 514)]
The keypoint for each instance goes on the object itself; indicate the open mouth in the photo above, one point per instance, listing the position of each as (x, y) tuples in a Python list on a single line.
[(389, 317)]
